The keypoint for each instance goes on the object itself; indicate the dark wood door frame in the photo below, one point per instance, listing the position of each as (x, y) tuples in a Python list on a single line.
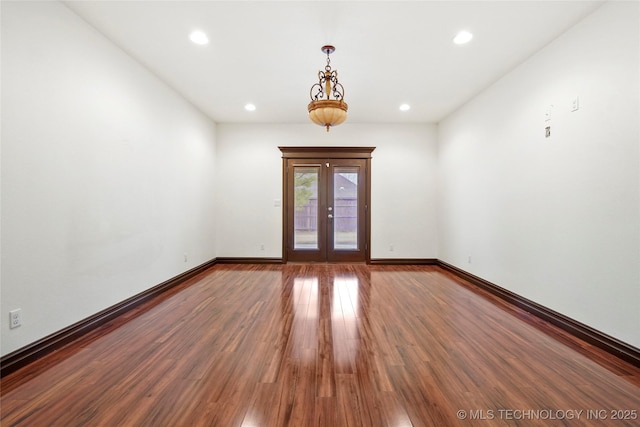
[(321, 153)]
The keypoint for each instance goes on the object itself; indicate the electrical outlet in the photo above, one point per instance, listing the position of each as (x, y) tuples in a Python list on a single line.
[(186, 257), (15, 318), (262, 247), (469, 259), (390, 248)]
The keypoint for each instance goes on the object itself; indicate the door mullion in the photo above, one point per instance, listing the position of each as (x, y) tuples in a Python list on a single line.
[(329, 220)]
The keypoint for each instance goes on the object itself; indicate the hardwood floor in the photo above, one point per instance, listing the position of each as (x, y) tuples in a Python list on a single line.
[(324, 345)]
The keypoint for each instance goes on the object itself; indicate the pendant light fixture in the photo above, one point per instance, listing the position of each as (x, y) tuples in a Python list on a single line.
[(327, 107)]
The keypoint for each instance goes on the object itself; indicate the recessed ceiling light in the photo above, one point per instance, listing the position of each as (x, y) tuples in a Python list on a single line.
[(463, 37), (198, 37), (405, 107), (250, 107)]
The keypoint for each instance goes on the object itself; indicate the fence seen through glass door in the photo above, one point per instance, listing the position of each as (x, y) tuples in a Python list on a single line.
[(305, 207), (345, 208)]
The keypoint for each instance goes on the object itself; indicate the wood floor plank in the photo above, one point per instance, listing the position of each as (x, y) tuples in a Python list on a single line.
[(349, 411), (323, 345)]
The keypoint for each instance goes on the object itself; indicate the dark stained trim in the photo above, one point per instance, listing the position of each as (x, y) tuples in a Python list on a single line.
[(25, 355), (237, 260), (579, 330), (404, 261), (321, 152)]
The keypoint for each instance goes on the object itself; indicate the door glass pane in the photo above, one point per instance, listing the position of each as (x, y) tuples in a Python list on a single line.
[(345, 207), (305, 222)]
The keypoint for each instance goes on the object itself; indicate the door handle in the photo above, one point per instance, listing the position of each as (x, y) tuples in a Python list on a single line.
[(329, 216)]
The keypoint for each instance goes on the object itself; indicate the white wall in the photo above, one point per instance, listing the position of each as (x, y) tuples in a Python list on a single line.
[(107, 174), (556, 220), (402, 190)]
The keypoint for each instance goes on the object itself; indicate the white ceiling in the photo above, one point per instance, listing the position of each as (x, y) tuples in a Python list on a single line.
[(387, 52)]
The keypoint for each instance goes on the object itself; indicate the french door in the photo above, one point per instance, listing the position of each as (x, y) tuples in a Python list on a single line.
[(326, 211)]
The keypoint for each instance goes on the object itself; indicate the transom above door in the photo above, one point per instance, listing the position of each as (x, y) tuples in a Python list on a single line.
[(326, 212)]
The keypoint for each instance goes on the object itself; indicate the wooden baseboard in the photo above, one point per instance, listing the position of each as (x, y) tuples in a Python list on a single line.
[(586, 333), (25, 355), (231, 260), (403, 261)]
